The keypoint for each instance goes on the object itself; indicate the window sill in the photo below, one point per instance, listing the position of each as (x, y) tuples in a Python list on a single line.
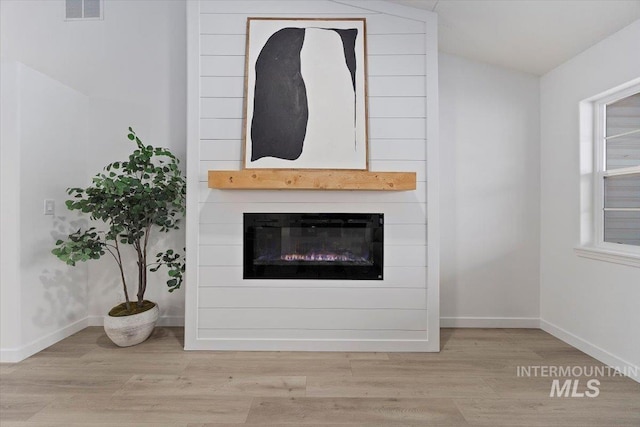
[(624, 258)]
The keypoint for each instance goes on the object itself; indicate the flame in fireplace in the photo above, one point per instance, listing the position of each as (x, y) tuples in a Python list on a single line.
[(323, 257)]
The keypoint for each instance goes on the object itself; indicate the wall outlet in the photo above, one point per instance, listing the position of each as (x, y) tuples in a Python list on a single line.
[(49, 207)]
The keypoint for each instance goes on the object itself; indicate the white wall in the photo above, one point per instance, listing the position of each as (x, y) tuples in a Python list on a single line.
[(229, 312), (52, 153), (10, 336), (44, 299), (489, 162), (132, 67), (591, 304)]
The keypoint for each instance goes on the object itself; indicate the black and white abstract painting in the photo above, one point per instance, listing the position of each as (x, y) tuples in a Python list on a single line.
[(306, 94)]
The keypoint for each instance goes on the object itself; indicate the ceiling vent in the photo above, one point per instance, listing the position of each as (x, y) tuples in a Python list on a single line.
[(83, 9)]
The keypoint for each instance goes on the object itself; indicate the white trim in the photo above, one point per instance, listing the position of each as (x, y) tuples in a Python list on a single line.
[(587, 182), (433, 180), (617, 93), (592, 174), (601, 254), (15, 355), (163, 321), (589, 348), (598, 170), (171, 321), (634, 170), (192, 229), (618, 249), (95, 320), (490, 322), (101, 18), (312, 345), (622, 135)]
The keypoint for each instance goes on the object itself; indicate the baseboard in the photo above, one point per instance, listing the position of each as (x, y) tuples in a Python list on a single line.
[(168, 321), (19, 354), (490, 322), (592, 350), (312, 345), (11, 355), (15, 355)]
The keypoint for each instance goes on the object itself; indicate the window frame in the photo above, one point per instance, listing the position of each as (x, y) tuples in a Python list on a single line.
[(83, 18), (594, 173)]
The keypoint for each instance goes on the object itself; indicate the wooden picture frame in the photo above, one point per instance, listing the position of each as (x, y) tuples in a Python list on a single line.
[(306, 94)]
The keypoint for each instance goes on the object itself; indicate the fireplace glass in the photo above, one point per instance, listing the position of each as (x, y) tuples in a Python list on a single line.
[(313, 246)]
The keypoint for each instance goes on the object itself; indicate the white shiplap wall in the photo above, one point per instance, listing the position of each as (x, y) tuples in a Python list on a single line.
[(226, 312)]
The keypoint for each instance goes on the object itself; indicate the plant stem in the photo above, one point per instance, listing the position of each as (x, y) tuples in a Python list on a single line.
[(147, 232), (141, 268), (118, 260), (124, 282)]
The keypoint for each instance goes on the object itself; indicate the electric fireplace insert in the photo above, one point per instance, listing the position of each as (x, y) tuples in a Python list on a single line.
[(313, 246)]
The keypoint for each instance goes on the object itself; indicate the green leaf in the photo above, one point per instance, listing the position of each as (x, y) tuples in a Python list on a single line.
[(128, 197)]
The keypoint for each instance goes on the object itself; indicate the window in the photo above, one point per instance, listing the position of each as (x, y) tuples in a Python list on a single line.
[(83, 9), (615, 175), (618, 127)]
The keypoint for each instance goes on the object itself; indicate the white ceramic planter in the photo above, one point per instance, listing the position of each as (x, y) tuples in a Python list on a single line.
[(126, 331)]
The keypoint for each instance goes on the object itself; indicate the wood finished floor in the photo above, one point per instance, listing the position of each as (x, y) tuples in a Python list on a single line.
[(87, 381)]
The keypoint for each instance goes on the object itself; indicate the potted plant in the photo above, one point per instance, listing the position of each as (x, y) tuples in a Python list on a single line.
[(134, 199)]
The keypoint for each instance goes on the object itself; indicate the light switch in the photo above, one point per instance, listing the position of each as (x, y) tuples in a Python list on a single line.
[(49, 206)]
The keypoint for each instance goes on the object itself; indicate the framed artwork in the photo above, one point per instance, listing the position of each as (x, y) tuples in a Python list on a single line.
[(305, 94)]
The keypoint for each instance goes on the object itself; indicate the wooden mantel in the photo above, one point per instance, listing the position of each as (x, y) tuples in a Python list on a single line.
[(306, 179)]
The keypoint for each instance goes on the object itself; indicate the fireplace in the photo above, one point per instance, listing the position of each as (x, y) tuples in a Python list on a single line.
[(313, 246)]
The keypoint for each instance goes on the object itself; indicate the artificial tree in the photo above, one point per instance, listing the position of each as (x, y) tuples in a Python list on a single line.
[(133, 198)]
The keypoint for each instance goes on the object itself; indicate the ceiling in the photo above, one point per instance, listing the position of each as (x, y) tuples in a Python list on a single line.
[(533, 36)]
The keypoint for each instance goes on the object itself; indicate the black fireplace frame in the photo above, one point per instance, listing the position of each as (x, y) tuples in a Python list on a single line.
[(327, 271)]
